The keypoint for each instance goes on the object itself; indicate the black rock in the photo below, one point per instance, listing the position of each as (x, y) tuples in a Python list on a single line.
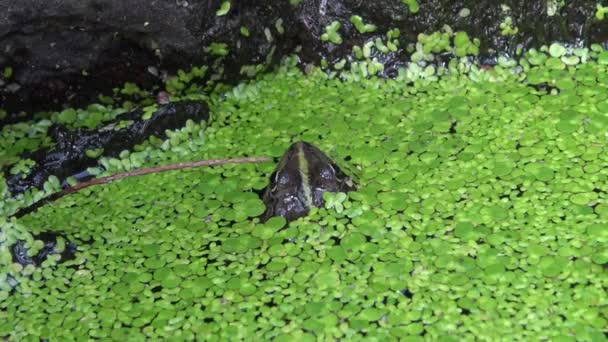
[(68, 51), (20, 256), (68, 156)]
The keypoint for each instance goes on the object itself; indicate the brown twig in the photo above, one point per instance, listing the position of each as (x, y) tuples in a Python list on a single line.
[(138, 172)]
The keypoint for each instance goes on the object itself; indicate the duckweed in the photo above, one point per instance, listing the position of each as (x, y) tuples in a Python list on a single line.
[(601, 11), (224, 9), (7, 72), (361, 26), (217, 49), (481, 212), (507, 28), (331, 33), (412, 5)]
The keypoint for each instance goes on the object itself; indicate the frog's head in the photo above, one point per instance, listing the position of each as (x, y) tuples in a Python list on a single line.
[(299, 181)]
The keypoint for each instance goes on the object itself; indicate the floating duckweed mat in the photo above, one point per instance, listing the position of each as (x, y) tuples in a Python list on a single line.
[(482, 212)]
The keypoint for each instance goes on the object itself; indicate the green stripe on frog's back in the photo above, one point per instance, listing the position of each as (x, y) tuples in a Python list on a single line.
[(303, 168)]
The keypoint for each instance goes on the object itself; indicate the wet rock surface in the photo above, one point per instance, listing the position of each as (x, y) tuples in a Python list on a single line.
[(69, 158), (69, 51), (66, 52)]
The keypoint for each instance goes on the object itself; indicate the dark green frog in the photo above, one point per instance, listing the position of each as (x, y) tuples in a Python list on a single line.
[(299, 181)]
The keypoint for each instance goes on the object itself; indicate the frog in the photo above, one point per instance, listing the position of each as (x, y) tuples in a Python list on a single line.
[(303, 174)]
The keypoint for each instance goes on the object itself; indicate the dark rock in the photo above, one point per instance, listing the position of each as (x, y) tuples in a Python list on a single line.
[(19, 252), (68, 156), (69, 51), (66, 52)]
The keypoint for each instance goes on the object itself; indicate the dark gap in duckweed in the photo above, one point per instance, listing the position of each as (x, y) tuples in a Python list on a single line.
[(452, 130), (49, 240), (544, 87)]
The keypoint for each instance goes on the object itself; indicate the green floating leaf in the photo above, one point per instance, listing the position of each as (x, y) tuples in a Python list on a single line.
[(555, 63), (570, 60), (151, 250), (600, 11), (503, 168), (584, 198), (67, 116), (461, 39), (412, 5), (233, 245), (331, 33), (353, 241), (602, 210), (269, 228), (544, 174), (360, 26), (7, 72), (598, 232), (465, 12), (247, 289), (557, 50), (327, 279), (465, 230), (552, 266), (218, 49), (275, 266), (370, 314), (602, 58), (224, 9), (167, 277), (337, 253), (279, 26)]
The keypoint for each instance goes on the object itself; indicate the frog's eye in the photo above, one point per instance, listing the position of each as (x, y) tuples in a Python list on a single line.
[(328, 172), (282, 178)]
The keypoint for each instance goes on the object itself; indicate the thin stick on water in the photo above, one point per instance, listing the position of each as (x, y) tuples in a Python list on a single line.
[(138, 172)]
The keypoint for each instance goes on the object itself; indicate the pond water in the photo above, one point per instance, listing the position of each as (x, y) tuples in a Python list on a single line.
[(482, 210)]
